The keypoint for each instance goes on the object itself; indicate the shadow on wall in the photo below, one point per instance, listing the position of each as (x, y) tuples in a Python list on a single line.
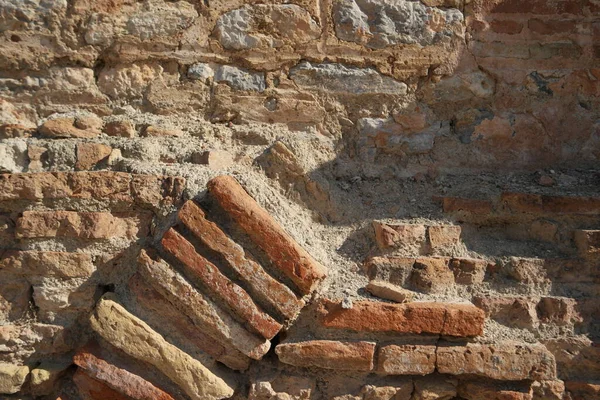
[(520, 92)]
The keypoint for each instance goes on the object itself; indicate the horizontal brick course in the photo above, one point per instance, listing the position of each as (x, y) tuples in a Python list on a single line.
[(278, 245), (538, 204), (437, 318), (406, 359), (350, 356), (198, 268), (47, 263), (144, 190), (502, 361), (155, 303), (83, 225)]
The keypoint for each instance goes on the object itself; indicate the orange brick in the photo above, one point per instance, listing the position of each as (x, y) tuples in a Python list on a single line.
[(438, 318), (278, 245), (237, 299), (120, 380), (351, 356), (263, 286)]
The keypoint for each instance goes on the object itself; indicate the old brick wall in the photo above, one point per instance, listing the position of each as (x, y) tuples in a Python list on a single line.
[(415, 212)]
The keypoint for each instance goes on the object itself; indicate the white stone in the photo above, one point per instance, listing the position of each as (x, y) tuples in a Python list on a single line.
[(264, 25), (381, 23), (339, 78), (161, 19), (240, 79), (200, 71)]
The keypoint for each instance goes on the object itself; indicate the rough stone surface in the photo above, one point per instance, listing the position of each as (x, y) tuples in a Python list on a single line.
[(265, 25), (352, 356), (379, 24), (12, 377), (338, 78), (134, 337)]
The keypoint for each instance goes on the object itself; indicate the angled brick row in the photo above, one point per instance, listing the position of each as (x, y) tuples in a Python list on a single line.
[(503, 361), (453, 319), (91, 389), (117, 379), (198, 268), (154, 303), (135, 338), (206, 315), (282, 251), (263, 287)]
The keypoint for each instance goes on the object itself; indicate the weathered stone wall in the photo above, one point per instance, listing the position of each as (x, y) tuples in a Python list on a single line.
[(418, 216)]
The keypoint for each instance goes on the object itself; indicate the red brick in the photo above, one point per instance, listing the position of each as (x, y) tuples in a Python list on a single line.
[(442, 237), (556, 310), (237, 299), (551, 27), (545, 51), (577, 358), (512, 311), (84, 225), (90, 154), (47, 263), (438, 318), (278, 245), (502, 361), (396, 270), (406, 360), (506, 26), (263, 286), (587, 242), (432, 275), (65, 128), (477, 390), (351, 356), (145, 190), (538, 204), (468, 271), (120, 128), (582, 390), (473, 206), (543, 7), (120, 380), (408, 236), (389, 291), (207, 316), (155, 303), (91, 389), (10, 131)]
